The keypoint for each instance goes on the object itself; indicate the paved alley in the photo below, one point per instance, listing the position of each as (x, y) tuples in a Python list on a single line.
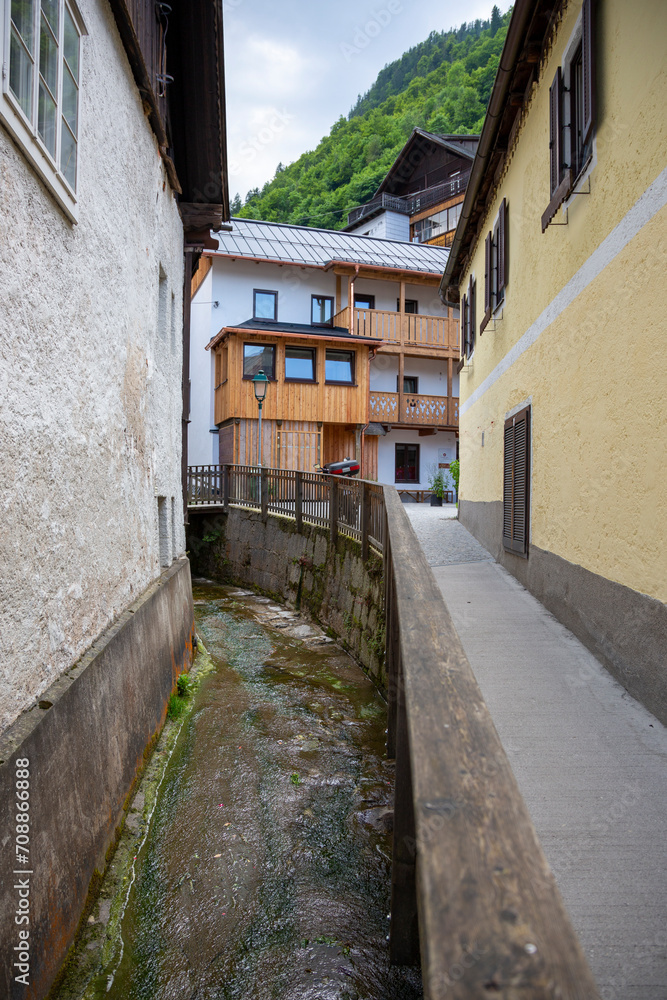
[(591, 762)]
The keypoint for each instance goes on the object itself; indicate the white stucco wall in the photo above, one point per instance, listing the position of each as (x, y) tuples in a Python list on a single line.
[(203, 446), (433, 449), (386, 226), (431, 372), (90, 401)]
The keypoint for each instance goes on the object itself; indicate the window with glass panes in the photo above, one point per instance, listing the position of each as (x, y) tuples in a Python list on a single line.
[(259, 357), (43, 79), (339, 367), (407, 463), (300, 364), (322, 310)]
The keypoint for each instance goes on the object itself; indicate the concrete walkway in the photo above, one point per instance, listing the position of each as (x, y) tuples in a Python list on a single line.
[(590, 761)]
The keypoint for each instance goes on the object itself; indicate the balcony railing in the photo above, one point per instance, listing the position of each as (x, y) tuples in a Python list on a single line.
[(413, 203), (439, 192), (422, 411), (402, 329), (387, 201)]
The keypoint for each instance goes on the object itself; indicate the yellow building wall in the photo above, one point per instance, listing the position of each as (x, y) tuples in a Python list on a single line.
[(597, 373)]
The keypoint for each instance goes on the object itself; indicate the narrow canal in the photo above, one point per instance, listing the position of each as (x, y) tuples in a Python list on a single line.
[(265, 872)]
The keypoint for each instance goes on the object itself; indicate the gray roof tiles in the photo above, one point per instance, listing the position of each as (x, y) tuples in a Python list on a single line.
[(303, 245)]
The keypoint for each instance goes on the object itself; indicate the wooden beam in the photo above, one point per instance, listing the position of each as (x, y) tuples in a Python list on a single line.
[(200, 216), (338, 293), (401, 298)]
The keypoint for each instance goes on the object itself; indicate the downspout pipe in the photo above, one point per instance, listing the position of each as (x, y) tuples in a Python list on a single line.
[(185, 376), (523, 11)]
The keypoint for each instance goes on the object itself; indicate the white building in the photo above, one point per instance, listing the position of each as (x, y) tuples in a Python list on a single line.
[(277, 284)]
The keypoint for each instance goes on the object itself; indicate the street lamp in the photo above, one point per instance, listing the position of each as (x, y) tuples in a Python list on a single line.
[(260, 384)]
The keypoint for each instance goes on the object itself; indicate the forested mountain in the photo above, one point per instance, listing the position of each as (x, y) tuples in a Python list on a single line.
[(441, 85)]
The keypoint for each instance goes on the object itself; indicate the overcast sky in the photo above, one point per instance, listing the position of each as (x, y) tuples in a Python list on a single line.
[(292, 67)]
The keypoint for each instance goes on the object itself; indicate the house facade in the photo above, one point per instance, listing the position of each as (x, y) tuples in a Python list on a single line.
[(420, 198), (104, 204), (375, 382), (561, 237)]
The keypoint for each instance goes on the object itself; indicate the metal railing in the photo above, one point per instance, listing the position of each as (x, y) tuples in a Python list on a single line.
[(411, 204), (345, 506), (472, 895), (389, 201)]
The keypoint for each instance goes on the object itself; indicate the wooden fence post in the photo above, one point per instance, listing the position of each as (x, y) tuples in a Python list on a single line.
[(298, 501), (365, 520), (333, 509), (225, 486), (264, 493)]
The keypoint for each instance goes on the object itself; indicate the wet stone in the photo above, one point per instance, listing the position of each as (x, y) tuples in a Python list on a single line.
[(266, 871)]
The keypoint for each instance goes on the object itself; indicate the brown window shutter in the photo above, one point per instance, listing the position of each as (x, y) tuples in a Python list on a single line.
[(588, 69), (487, 274), (502, 246), (471, 312), (507, 484), (463, 321), (516, 483), (555, 131)]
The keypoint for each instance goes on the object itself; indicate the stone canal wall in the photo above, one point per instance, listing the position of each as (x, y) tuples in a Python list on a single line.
[(85, 744), (303, 569)]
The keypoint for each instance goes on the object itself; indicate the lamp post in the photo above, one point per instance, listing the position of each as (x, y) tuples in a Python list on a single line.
[(260, 384)]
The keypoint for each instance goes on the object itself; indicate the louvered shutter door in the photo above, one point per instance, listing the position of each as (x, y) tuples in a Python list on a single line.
[(555, 130), (519, 487), (471, 312), (487, 274), (502, 255), (507, 484), (588, 69), (516, 483)]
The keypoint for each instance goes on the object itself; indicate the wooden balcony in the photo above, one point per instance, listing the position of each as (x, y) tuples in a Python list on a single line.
[(421, 411), (403, 330)]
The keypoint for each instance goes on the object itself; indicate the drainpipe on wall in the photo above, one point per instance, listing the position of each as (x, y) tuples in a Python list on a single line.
[(185, 378), (350, 297)]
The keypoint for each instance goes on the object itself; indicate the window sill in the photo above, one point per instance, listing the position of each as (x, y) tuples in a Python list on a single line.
[(249, 378), (31, 148), (302, 381), (352, 385)]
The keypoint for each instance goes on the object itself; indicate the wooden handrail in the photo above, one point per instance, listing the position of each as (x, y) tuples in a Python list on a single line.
[(472, 893), (485, 903)]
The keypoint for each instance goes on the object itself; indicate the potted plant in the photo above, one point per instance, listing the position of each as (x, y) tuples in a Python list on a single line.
[(455, 470), (436, 484)]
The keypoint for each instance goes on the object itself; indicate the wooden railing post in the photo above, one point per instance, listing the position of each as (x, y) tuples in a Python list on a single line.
[(298, 498), (392, 644), (365, 520), (264, 493), (225, 486), (333, 509), (404, 926)]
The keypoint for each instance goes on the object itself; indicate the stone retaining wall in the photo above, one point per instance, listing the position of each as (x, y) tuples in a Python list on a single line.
[(340, 591), (86, 742)]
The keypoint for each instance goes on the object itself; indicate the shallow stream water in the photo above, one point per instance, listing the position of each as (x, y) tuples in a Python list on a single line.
[(266, 871)]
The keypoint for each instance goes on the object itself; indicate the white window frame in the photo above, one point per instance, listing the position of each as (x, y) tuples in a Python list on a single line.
[(23, 129)]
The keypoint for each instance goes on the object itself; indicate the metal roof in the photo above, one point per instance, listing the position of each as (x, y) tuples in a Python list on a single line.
[(289, 244)]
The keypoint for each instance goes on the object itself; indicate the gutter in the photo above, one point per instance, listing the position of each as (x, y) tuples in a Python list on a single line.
[(245, 330), (523, 11)]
